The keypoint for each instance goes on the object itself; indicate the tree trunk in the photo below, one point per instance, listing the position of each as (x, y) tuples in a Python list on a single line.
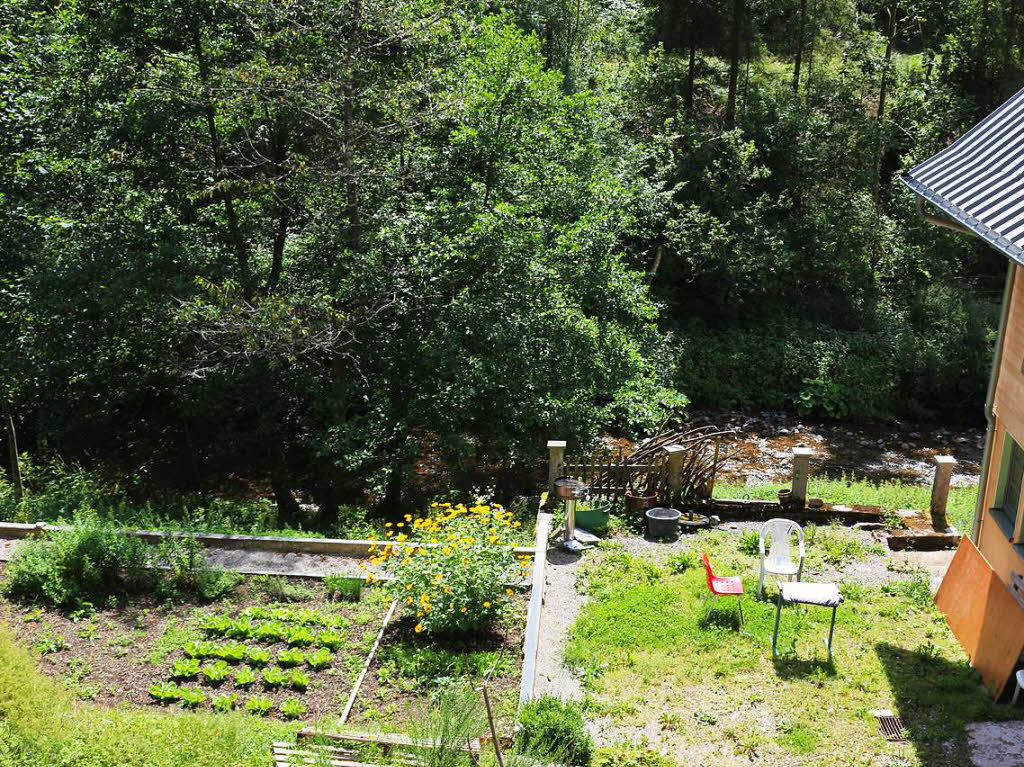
[(799, 46), (283, 209), (12, 449), (652, 270), (234, 230), (355, 226), (280, 483), (734, 60)]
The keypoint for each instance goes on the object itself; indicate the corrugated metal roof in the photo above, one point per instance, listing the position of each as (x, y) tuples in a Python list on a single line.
[(979, 179)]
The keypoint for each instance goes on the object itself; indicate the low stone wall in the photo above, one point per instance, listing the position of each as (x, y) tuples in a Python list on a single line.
[(339, 547), (740, 509)]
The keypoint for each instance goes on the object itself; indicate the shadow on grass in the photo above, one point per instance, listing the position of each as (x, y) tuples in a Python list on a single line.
[(724, 615), (790, 666), (936, 697)]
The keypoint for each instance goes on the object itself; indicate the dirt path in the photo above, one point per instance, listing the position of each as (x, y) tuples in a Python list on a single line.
[(562, 605)]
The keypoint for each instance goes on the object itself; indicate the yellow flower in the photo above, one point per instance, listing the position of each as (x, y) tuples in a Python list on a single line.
[(487, 604), (510, 592), (419, 628), (408, 600), (463, 610), (408, 587), (427, 608)]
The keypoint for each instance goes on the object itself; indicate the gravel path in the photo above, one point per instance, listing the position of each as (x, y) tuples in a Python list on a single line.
[(562, 605)]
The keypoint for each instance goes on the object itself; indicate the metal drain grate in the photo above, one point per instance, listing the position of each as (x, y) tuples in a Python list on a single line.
[(891, 727)]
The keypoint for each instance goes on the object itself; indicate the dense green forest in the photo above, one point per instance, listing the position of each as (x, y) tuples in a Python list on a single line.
[(298, 243)]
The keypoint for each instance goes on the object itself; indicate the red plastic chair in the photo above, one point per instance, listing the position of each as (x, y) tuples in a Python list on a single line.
[(722, 586)]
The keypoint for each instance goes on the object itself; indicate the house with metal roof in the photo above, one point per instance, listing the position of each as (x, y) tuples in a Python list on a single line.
[(976, 186)]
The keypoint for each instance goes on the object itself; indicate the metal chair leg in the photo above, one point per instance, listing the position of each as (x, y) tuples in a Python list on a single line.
[(711, 605), (739, 602), (831, 628), (775, 634)]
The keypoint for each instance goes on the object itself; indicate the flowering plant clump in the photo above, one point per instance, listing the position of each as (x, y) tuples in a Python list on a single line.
[(454, 566)]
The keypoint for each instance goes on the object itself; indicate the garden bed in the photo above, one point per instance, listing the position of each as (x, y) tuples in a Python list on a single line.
[(410, 668), (115, 655)]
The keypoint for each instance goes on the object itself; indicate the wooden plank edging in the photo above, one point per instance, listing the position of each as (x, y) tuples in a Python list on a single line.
[(531, 639), (366, 666)]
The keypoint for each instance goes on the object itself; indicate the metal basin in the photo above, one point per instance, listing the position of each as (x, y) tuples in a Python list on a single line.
[(570, 488)]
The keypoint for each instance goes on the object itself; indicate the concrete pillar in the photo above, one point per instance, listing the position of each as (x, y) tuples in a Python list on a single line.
[(674, 458), (944, 465), (556, 459), (801, 472)]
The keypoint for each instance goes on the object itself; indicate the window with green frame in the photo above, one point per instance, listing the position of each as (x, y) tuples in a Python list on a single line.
[(1011, 478)]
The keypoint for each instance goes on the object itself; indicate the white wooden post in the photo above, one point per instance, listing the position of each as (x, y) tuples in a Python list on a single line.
[(556, 459), (675, 455), (944, 465), (801, 472)]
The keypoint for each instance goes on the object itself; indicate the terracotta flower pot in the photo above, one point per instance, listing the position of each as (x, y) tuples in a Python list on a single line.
[(638, 503)]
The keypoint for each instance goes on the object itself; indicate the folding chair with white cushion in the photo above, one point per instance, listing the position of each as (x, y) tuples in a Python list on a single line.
[(779, 560)]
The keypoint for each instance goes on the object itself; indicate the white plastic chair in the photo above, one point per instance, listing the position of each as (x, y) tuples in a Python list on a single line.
[(779, 560)]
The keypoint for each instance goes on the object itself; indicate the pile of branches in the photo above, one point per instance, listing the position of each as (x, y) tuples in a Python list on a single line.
[(705, 449)]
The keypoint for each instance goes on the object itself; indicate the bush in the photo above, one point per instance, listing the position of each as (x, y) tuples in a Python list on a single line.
[(456, 582), (683, 561), (91, 562), (554, 729), (185, 573)]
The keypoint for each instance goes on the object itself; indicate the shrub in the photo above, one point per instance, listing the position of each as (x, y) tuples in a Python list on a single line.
[(750, 543), (456, 582), (88, 563), (184, 572), (293, 709), (554, 729)]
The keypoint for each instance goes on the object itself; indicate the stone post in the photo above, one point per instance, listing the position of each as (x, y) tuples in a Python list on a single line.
[(556, 458), (944, 465), (801, 472), (675, 455)]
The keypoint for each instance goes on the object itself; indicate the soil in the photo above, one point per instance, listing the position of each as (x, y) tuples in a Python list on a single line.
[(402, 702), (114, 655)]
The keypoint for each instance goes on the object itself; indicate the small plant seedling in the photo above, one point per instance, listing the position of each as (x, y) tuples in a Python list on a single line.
[(330, 639), (275, 677), (289, 658), (275, 631), (299, 680), (300, 637), (185, 669), (240, 629), (683, 561), (51, 643), (259, 705), (225, 703), (231, 652), (293, 709), (343, 587), (245, 677), (257, 656), (215, 673), (34, 616), (319, 659), (192, 698), (165, 692)]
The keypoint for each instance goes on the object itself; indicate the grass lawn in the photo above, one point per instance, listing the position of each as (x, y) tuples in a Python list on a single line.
[(890, 495), (712, 694)]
